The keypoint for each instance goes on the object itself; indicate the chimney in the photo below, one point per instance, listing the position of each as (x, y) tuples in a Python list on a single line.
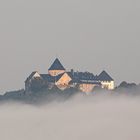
[(72, 71)]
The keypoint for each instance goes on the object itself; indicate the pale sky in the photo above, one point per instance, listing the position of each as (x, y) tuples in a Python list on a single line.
[(87, 35)]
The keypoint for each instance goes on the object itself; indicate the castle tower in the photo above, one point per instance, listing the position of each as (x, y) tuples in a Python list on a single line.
[(106, 80), (56, 68)]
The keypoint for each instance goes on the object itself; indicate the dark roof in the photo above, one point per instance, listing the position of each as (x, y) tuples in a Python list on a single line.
[(104, 76), (90, 82), (77, 77), (83, 77), (52, 79), (58, 76), (48, 77), (31, 75), (70, 74), (56, 65)]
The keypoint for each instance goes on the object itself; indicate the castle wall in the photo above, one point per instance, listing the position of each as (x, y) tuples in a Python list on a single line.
[(64, 80), (87, 88), (110, 85), (55, 72)]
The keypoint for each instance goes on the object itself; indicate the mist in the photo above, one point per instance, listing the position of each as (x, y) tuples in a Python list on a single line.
[(99, 117)]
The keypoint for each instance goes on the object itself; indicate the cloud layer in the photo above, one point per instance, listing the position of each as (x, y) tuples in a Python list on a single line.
[(80, 118)]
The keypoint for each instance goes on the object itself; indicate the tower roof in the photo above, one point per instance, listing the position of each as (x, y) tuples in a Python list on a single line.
[(104, 76), (56, 65)]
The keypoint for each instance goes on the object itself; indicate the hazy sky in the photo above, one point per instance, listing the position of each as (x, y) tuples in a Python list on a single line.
[(86, 35)]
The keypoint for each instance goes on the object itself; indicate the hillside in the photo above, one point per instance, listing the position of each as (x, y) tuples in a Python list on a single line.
[(44, 94)]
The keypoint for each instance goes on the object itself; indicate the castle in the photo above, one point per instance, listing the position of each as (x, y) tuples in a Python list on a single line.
[(58, 76)]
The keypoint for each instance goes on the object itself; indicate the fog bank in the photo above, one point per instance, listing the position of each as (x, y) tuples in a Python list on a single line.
[(80, 118)]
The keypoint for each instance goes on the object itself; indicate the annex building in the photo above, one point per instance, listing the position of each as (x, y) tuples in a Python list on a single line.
[(63, 79)]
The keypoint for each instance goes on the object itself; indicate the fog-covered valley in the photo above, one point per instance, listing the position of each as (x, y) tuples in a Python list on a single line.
[(99, 117)]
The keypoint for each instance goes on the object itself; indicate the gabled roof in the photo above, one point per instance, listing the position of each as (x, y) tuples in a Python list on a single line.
[(56, 65), (48, 78), (104, 76), (58, 76), (52, 79), (70, 74), (31, 75)]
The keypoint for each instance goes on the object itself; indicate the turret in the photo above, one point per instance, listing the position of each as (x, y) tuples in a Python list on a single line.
[(56, 68)]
